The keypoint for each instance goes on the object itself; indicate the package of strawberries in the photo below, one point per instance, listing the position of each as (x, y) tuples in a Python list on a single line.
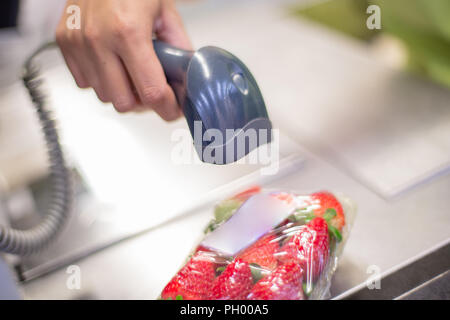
[(267, 245)]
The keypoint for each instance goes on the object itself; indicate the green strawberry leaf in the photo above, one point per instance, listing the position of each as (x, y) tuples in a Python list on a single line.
[(307, 289), (304, 214), (225, 209), (179, 297), (219, 270), (256, 272), (210, 227), (309, 217), (335, 232), (330, 213)]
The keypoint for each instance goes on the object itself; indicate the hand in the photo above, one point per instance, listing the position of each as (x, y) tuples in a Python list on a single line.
[(113, 52)]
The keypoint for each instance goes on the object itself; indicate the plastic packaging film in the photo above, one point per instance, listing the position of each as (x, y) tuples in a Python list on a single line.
[(293, 259)]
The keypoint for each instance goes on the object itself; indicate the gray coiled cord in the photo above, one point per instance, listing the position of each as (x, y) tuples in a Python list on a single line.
[(25, 242)]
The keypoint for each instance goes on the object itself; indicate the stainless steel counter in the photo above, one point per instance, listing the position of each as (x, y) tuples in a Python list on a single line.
[(385, 234)]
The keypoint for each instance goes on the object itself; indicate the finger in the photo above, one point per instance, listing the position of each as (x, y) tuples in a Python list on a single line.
[(91, 60), (148, 76), (67, 49), (116, 83), (89, 56), (76, 72)]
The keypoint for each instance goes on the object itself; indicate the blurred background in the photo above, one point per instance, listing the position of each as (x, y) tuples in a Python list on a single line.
[(361, 110)]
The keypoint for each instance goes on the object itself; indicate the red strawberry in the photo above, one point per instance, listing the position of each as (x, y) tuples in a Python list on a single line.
[(325, 200), (194, 280), (284, 283), (234, 283), (244, 195), (309, 247), (262, 252)]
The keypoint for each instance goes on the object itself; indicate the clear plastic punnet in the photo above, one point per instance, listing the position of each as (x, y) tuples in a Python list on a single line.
[(267, 245)]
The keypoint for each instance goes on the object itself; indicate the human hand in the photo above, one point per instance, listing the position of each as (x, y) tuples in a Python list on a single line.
[(112, 52)]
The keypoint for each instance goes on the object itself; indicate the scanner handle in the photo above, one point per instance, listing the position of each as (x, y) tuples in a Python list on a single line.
[(174, 61)]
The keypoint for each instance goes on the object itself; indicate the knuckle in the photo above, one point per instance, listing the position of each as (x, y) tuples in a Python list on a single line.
[(76, 39), (152, 95), (91, 34), (124, 28)]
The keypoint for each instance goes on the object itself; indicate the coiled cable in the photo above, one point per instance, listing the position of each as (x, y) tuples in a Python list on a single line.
[(26, 242)]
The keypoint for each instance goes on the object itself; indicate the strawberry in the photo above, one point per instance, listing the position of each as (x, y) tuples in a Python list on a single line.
[(234, 283), (325, 200), (284, 283), (309, 247), (194, 280), (262, 252)]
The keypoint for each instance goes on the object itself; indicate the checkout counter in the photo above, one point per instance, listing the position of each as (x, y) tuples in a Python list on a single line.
[(347, 122)]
